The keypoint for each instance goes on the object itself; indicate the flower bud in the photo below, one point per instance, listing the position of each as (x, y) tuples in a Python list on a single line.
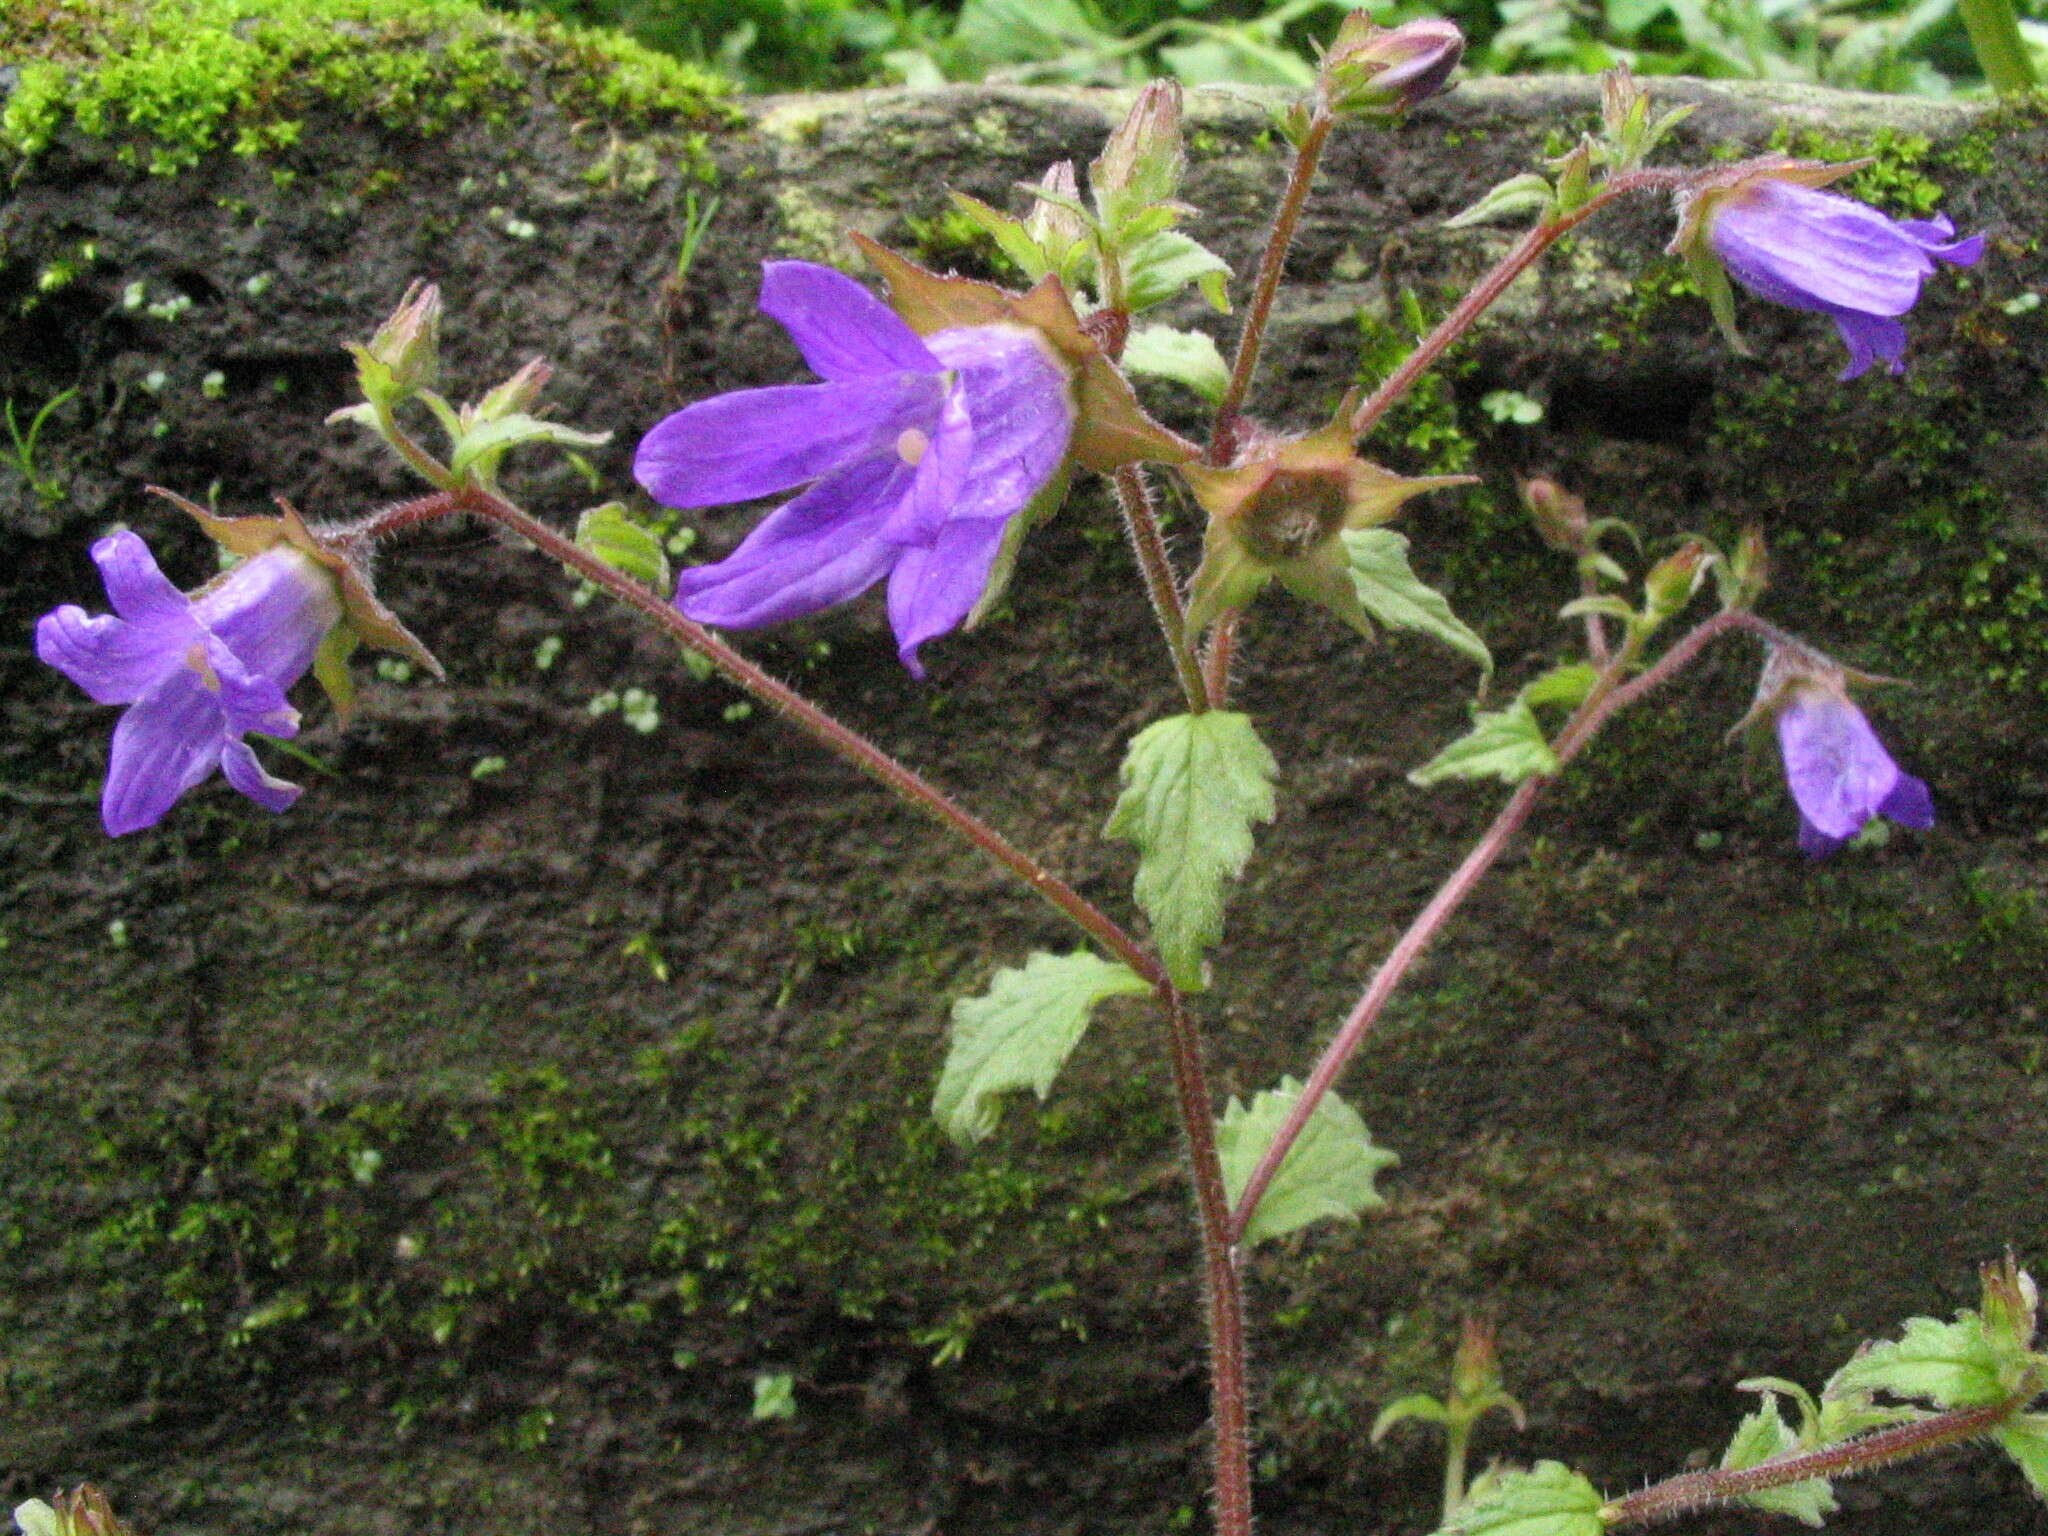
[(1375, 69), (1475, 1370), (517, 394), (82, 1512), (1559, 516), (1053, 226), (1142, 163), (404, 357), (1672, 581), (1749, 569), (2010, 1298)]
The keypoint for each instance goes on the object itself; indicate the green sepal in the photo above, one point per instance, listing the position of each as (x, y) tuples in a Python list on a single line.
[(1548, 1500), (1009, 235), (1193, 787), (1712, 281), (1019, 1033), (1392, 593), (610, 533), (1186, 357), (1228, 578), (1035, 514), (1417, 1405), (1328, 1172), (330, 668)]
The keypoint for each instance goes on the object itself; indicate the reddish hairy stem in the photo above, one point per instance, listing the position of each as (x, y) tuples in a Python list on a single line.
[(1272, 267), (841, 739), (1216, 662), (1141, 527), (1692, 1491), (1518, 260), (1608, 696)]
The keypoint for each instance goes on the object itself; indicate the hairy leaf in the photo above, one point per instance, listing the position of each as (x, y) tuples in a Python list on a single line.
[(1391, 592), (2025, 1439), (610, 533), (1951, 1365), (1329, 1170), (1763, 1436), (1193, 787), (1505, 744), (1019, 1033), (1549, 1500), (1186, 357)]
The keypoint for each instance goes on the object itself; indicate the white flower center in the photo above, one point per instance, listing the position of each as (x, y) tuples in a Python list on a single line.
[(911, 446)]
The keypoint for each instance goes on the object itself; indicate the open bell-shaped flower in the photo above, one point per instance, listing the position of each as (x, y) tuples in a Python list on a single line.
[(1767, 224), (1838, 771), (200, 671), (1279, 513), (941, 433)]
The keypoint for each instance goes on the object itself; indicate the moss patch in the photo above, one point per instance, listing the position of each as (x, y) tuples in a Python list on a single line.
[(179, 79)]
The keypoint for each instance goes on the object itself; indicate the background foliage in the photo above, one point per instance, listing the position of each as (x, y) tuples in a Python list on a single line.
[(1886, 45)]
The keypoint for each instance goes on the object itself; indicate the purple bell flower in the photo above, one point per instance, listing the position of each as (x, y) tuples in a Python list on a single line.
[(197, 671), (916, 454), (1795, 245), (1838, 771)]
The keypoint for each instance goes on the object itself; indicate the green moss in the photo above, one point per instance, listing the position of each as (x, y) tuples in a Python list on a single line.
[(174, 80)]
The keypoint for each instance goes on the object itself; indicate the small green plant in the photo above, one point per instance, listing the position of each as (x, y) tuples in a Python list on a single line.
[(47, 488)]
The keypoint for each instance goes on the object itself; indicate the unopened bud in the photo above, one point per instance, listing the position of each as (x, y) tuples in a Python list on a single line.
[(404, 357), (1475, 1370), (82, 1512), (1559, 516), (1055, 227), (517, 394), (1750, 566), (2009, 1302), (1672, 581), (1375, 69), (1623, 103), (1143, 160)]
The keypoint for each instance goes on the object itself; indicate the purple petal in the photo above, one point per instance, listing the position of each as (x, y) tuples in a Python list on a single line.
[(1023, 412), (1909, 804), (934, 588), (843, 331), (139, 591), (113, 660), (936, 484), (238, 763), (756, 442), (1936, 236), (163, 745), (1816, 250), (820, 549), (1814, 843), (1871, 339), (1838, 771), (249, 701), (272, 610)]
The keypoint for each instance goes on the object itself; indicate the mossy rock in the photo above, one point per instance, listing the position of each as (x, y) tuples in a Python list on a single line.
[(457, 1151)]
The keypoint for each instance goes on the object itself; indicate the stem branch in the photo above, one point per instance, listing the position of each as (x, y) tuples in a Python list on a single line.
[(1141, 526)]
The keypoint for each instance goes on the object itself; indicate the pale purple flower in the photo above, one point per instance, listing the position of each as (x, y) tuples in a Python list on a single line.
[(1831, 255), (1839, 772), (916, 453), (197, 671)]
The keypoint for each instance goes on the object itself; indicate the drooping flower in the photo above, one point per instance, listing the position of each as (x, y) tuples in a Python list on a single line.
[(1766, 224), (917, 453), (1838, 771), (1371, 68), (198, 671)]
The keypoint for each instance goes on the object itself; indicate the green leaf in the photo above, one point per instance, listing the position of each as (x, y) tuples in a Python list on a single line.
[(1019, 1033), (774, 1396), (1329, 1170), (1550, 1500), (1505, 744), (1161, 266), (1193, 787), (1951, 1365), (1009, 235), (1518, 194), (481, 446), (35, 1518), (1392, 593), (1763, 1436), (1567, 685), (1417, 1405), (2025, 1439), (610, 533), (1186, 357)]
